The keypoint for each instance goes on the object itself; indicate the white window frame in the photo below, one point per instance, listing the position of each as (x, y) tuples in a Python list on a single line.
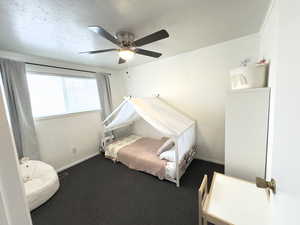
[(65, 115)]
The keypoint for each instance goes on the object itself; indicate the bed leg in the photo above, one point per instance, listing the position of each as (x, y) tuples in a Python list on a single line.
[(177, 183)]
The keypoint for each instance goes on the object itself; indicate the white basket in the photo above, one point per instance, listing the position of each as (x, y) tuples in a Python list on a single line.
[(253, 76)]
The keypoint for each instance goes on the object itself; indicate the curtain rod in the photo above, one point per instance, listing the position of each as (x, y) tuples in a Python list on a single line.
[(66, 68)]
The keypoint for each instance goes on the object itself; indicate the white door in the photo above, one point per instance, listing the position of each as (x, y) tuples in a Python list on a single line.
[(3, 217), (13, 206), (284, 154)]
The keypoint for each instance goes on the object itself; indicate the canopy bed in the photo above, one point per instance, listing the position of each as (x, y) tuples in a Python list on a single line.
[(167, 157)]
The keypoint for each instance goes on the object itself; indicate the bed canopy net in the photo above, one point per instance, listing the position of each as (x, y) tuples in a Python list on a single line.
[(164, 118)]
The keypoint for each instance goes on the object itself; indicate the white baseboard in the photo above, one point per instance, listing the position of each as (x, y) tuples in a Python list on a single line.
[(210, 160), (76, 162)]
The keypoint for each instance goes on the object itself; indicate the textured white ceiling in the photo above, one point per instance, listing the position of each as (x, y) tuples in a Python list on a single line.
[(58, 28)]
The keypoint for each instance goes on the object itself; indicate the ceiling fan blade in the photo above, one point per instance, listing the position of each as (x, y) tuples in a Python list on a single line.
[(103, 33), (122, 61), (99, 51), (147, 53), (159, 35)]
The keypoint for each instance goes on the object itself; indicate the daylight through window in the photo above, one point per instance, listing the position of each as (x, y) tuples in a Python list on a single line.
[(56, 95)]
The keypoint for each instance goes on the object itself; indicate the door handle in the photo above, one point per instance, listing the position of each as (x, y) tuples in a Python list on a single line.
[(262, 183)]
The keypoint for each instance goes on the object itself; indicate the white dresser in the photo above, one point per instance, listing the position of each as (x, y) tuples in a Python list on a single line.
[(246, 132)]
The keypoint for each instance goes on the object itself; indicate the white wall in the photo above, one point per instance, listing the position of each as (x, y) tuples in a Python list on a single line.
[(196, 83), (118, 88), (58, 136)]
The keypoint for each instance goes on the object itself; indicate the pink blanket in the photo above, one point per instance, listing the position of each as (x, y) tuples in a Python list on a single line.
[(141, 155)]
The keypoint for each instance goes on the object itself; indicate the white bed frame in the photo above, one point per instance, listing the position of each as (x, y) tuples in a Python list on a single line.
[(179, 171)]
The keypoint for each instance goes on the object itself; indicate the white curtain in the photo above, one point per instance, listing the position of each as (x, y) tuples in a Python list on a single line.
[(14, 81), (104, 91)]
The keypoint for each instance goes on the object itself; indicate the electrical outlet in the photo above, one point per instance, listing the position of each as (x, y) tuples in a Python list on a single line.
[(74, 150)]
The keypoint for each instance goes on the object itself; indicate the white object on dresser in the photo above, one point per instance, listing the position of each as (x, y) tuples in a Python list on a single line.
[(252, 76), (246, 130)]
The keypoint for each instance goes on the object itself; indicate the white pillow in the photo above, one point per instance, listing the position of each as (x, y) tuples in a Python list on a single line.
[(166, 146), (168, 155)]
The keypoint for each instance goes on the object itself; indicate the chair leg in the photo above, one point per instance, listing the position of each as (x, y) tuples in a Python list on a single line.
[(202, 221)]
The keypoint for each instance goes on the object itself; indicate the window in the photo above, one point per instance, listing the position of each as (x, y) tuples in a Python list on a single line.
[(56, 95)]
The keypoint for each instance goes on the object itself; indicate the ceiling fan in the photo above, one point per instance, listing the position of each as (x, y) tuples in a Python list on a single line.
[(126, 43)]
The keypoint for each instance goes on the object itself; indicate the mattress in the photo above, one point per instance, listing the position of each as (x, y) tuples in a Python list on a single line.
[(141, 155), (114, 148)]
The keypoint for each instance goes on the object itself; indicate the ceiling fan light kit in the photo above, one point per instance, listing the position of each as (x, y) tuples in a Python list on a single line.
[(126, 54), (128, 47)]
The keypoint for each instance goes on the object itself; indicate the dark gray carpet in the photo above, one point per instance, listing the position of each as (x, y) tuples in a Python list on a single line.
[(99, 192)]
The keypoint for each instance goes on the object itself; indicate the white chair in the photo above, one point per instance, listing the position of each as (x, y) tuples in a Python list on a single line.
[(202, 195), (40, 181)]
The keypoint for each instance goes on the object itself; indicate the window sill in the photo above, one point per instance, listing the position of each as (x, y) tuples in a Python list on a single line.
[(58, 116)]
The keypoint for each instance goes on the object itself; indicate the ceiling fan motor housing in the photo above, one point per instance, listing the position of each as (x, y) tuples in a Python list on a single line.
[(126, 38)]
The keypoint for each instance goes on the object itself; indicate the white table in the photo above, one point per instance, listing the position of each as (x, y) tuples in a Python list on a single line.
[(238, 202)]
